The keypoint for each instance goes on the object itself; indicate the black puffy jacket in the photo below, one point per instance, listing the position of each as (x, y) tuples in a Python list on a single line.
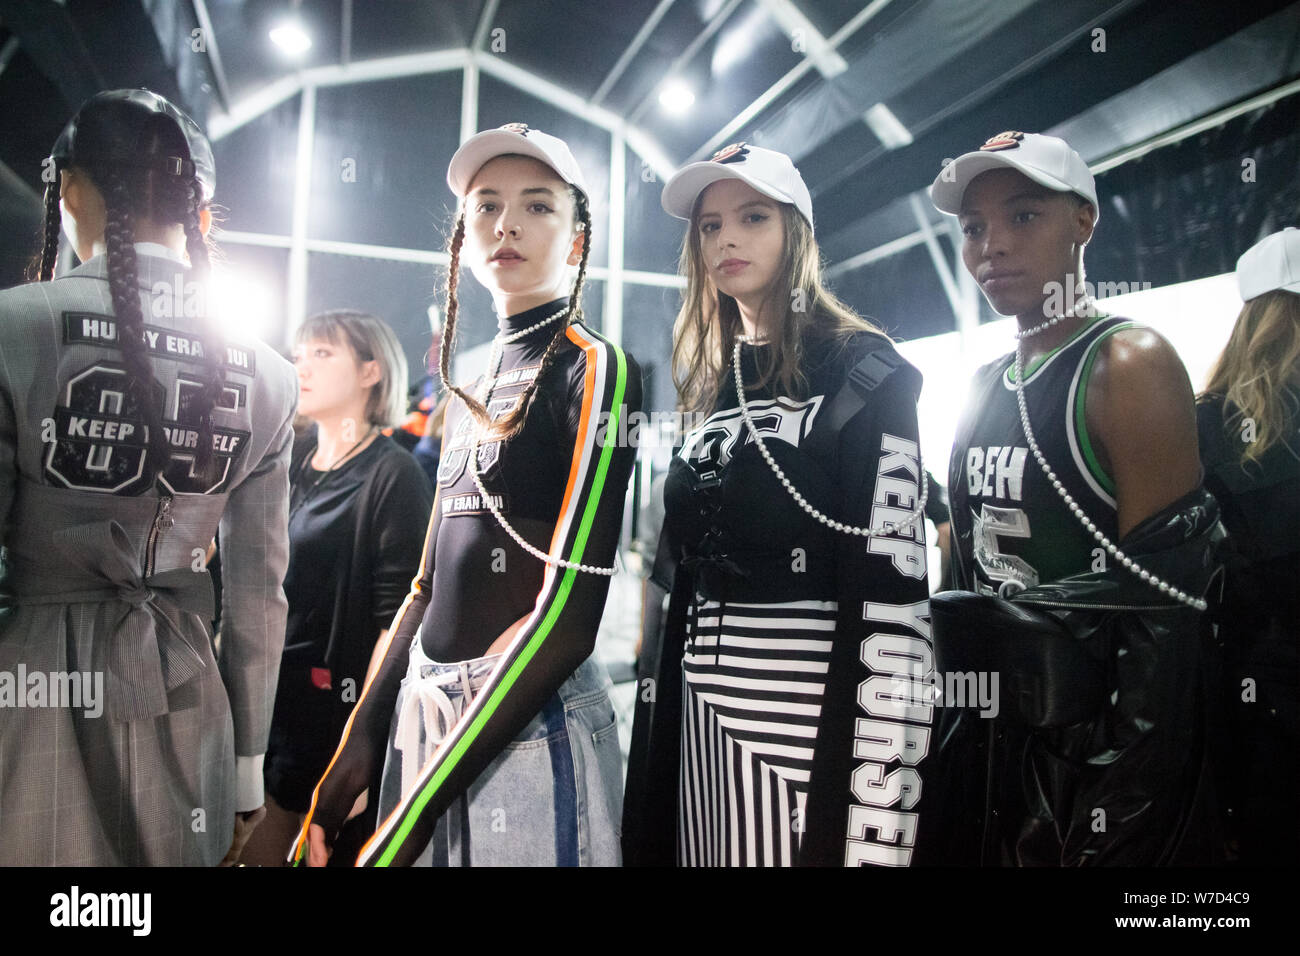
[(1099, 750)]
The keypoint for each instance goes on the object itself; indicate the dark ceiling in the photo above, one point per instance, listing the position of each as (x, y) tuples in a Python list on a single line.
[(1108, 74)]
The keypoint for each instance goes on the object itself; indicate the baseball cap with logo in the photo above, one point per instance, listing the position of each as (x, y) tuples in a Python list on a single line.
[(1271, 264), (773, 174), (1046, 160), (517, 139)]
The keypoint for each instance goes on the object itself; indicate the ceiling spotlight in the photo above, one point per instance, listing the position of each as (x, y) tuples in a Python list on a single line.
[(290, 37), (888, 128), (676, 97)]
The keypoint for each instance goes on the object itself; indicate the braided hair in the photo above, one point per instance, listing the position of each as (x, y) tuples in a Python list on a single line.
[(49, 253), (511, 423), (130, 193)]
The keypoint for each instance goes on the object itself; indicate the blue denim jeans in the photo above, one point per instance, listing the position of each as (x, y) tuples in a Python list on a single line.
[(552, 797)]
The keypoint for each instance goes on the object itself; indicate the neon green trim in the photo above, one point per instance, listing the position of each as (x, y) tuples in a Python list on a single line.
[(539, 636), (1080, 407), (1037, 363)]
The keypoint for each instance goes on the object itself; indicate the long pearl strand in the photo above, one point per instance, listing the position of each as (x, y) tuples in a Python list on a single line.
[(1163, 586), (888, 528), (472, 466)]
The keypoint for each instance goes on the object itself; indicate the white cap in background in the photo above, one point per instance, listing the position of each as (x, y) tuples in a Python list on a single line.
[(773, 174), (1046, 160), (1270, 264), (513, 138)]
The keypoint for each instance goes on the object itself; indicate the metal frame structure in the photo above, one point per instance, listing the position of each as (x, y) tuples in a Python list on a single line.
[(472, 61)]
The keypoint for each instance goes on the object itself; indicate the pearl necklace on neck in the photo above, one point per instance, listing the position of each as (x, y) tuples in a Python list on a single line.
[(887, 528), (1086, 304), (515, 336), (1163, 586)]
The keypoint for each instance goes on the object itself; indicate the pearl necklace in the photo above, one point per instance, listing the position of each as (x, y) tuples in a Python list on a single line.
[(1163, 586), (515, 336), (472, 467), (887, 528), (1086, 303)]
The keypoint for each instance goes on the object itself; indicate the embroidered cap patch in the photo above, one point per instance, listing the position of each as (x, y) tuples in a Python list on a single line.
[(1008, 140), (734, 153)]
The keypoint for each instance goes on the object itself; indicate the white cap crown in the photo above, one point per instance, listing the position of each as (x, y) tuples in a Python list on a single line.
[(1271, 264), (771, 173), (1047, 160), (513, 138)]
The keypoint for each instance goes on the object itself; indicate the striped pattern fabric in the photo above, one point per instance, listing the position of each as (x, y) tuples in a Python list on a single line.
[(753, 679)]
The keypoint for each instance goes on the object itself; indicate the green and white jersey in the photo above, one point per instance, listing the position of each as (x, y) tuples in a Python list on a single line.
[(1008, 522)]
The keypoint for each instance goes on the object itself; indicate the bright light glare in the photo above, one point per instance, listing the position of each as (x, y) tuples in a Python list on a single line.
[(676, 97), (241, 306), (290, 37)]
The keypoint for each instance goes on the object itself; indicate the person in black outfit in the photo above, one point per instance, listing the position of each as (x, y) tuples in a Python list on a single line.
[(1248, 418), (794, 553), (357, 508)]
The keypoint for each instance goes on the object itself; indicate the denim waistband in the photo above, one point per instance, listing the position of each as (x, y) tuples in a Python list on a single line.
[(455, 678)]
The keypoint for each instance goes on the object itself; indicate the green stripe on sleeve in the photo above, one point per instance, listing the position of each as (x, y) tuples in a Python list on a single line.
[(539, 636), (1080, 406)]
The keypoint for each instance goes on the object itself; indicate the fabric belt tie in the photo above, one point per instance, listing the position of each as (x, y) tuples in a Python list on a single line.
[(426, 698), (145, 655)]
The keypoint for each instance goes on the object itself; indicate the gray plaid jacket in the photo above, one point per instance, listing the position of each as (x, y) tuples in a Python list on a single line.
[(119, 725)]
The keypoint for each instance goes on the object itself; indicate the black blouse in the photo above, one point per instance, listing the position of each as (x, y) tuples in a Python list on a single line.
[(355, 537)]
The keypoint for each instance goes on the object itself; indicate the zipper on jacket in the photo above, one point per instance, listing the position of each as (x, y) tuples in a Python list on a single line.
[(1070, 605), (162, 521)]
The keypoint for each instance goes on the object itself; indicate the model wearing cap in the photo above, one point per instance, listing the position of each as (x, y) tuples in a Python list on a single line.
[(794, 548), (1249, 418), (502, 747), (128, 432), (1074, 462)]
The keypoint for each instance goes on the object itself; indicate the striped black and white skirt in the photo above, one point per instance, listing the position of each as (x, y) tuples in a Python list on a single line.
[(753, 679)]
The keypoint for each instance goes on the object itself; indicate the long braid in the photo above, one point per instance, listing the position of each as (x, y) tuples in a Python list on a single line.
[(119, 236), (213, 344), (475, 407), (50, 233), (511, 424)]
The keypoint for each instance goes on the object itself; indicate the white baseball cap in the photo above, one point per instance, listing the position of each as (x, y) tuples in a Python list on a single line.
[(513, 138), (1046, 160), (771, 173), (1271, 264)]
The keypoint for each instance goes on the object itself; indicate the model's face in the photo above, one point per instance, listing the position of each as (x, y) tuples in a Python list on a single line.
[(519, 229), (331, 379), (1020, 237), (742, 239)]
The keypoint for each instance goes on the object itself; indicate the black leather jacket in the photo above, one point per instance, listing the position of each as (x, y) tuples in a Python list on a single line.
[(1099, 750)]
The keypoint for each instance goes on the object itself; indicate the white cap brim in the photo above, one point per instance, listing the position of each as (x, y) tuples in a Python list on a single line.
[(679, 196), (949, 186), (1250, 289)]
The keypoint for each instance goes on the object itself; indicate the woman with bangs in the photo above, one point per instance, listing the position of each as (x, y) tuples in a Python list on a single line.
[(794, 548), (358, 503)]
